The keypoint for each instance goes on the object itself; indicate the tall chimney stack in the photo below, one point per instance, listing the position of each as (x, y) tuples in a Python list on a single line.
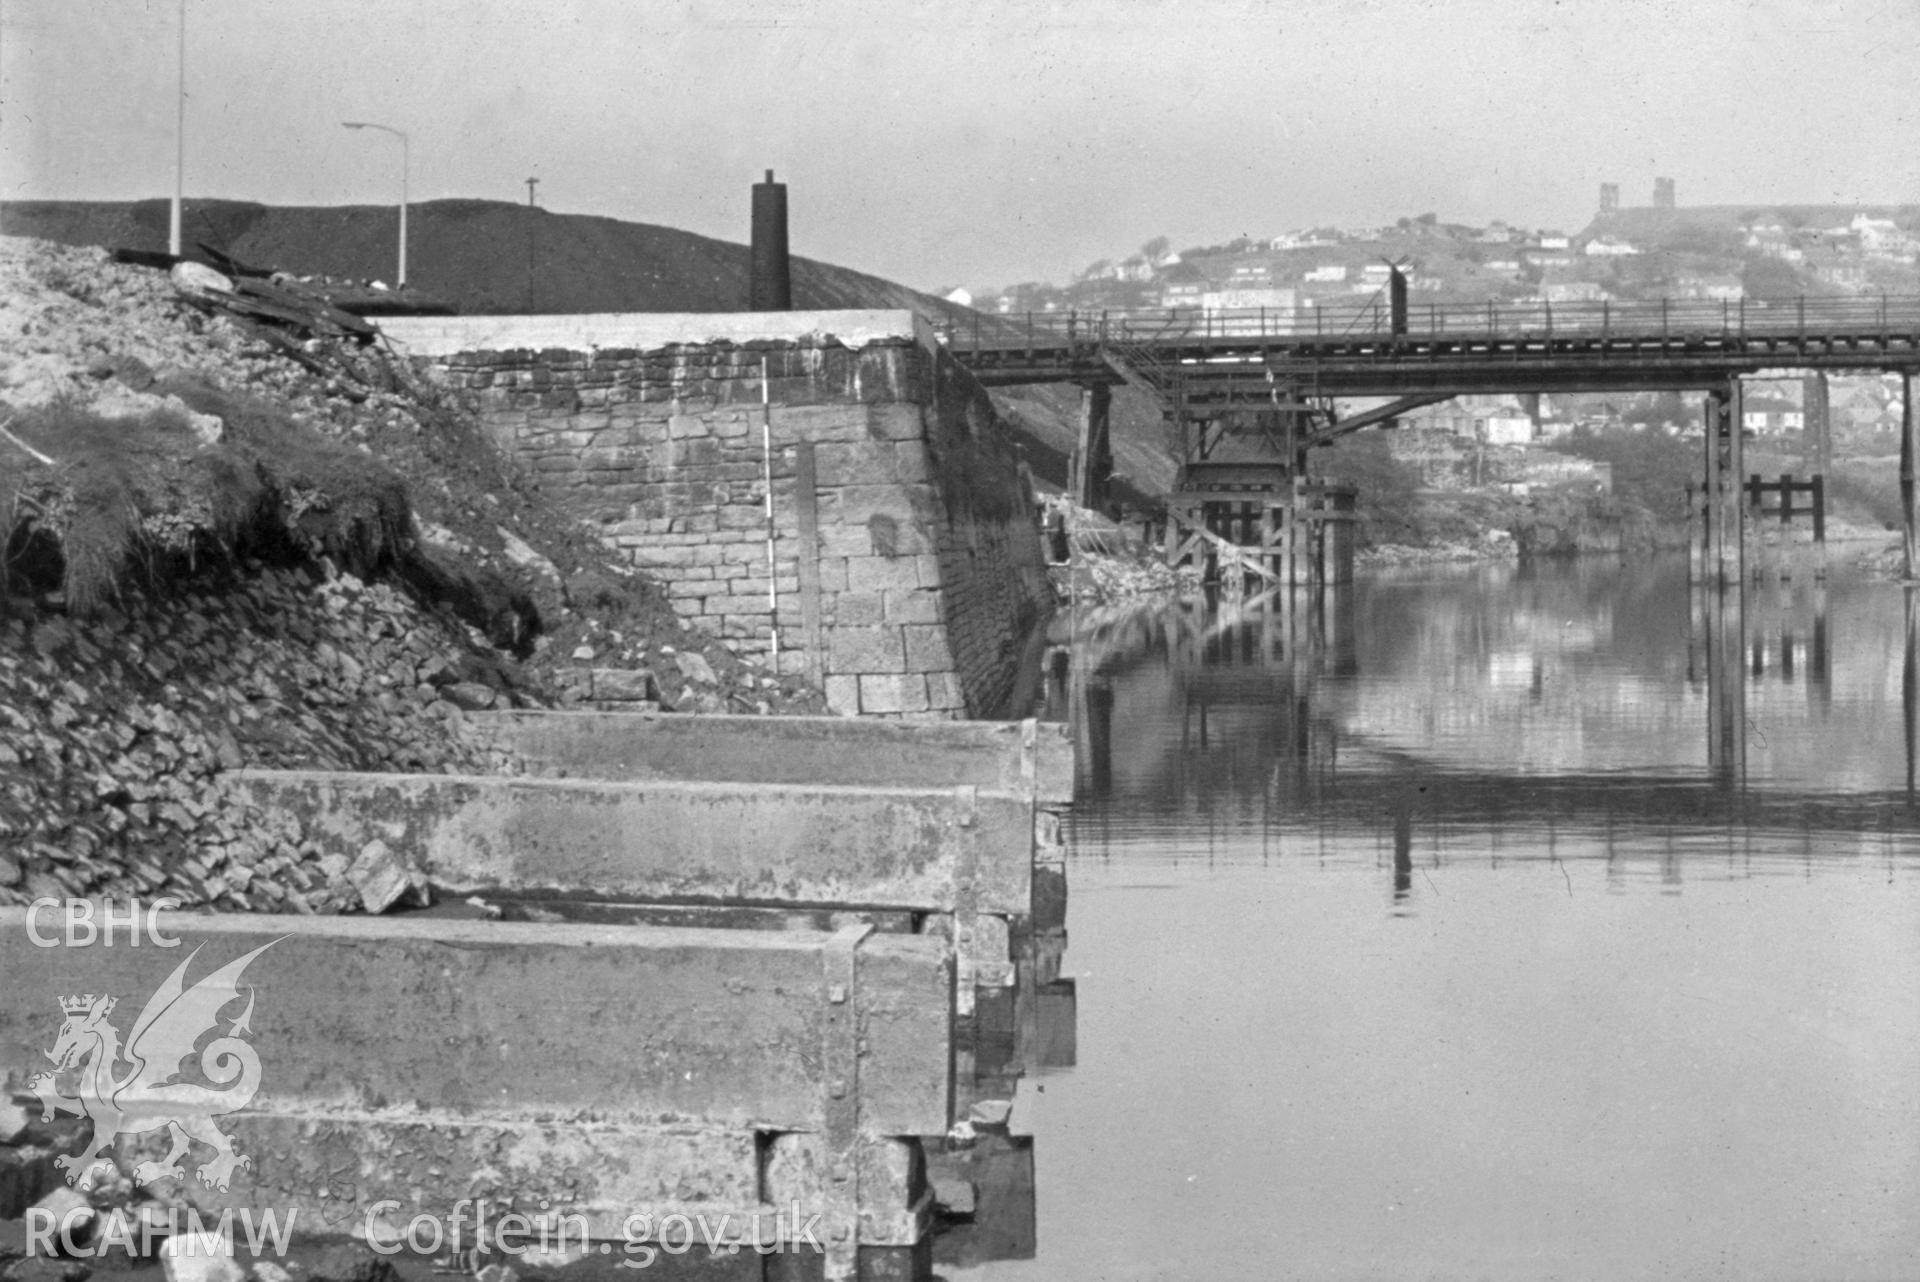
[(770, 288)]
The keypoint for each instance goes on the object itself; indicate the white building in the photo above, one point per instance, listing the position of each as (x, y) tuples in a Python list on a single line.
[(1230, 299), (1609, 247)]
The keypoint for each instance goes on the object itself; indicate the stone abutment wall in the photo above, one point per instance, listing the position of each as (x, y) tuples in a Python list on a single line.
[(900, 563)]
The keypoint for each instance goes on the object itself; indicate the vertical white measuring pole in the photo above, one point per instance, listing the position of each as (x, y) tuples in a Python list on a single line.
[(766, 463)]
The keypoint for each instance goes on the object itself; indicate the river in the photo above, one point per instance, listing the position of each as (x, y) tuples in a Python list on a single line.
[(1511, 922)]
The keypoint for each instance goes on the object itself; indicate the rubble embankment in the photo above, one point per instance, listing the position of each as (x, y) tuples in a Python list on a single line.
[(234, 543)]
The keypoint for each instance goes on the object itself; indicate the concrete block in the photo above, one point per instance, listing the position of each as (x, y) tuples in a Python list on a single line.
[(843, 695), (911, 461), (856, 463), (896, 422), (858, 503), (878, 573), (927, 649), (944, 691), (916, 605), (711, 1027), (927, 566), (858, 609), (866, 650), (845, 541), (892, 1178), (820, 423), (892, 693), (750, 843), (996, 755)]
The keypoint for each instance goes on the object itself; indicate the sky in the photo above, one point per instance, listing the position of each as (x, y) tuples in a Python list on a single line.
[(974, 142)]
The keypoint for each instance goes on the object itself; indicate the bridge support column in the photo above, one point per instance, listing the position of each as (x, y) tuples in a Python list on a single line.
[(1726, 525), (1093, 455), (1910, 687), (1817, 416), (1725, 617), (1909, 447)]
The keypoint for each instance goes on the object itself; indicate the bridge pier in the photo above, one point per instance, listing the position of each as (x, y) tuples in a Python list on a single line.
[(1093, 452), (1723, 526), (1724, 616), (1909, 441)]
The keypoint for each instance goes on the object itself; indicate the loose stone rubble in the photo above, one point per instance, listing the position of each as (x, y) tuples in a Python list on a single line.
[(115, 729)]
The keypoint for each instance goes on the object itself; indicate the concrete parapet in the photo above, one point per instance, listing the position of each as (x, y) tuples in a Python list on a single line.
[(1023, 756), (958, 849), (613, 333), (598, 1071)]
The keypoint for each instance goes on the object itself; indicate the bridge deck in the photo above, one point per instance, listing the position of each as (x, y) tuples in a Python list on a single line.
[(1359, 350)]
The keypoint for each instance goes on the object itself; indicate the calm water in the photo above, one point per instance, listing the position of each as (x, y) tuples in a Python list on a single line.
[(1500, 923)]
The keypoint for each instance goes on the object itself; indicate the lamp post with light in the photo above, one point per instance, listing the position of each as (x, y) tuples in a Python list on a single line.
[(388, 129)]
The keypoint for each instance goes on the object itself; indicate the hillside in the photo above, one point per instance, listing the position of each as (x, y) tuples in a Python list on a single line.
[(475, 254), (472, 253)]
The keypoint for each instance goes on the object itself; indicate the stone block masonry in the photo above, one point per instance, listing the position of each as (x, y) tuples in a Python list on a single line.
[(905, 566)]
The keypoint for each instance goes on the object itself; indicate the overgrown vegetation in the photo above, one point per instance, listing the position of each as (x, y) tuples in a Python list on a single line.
[(145, 495), (1871, 487), (1647, 507), (1650, 469)]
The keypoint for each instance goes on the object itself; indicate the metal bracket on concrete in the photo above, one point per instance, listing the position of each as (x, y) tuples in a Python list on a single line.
[(966, 907), (840, 1108)]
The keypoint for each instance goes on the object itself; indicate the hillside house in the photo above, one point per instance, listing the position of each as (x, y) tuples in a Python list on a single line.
[(1610, 247), (1503, 429), (1770, 415), (1331, 273), (1188, 293), (1719, 286), (1574, 291), (1880, 235), (1555, 240), (1232, 299)]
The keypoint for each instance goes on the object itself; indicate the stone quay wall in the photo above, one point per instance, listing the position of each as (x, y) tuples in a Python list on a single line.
[(904, 576)]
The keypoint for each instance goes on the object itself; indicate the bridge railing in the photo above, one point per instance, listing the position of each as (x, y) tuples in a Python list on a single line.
[(1656, 320)]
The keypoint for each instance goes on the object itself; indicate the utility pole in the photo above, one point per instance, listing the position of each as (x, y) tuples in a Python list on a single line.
[(179, 138), (531, 184)]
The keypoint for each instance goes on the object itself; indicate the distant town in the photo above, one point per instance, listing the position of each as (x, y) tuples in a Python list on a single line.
[(1723, 253)]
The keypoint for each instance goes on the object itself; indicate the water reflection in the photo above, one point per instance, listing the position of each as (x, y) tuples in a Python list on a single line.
[(1600, 712), (1502, 923)]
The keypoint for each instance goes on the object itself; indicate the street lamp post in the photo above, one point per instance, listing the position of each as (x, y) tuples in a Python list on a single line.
[(388, 129)]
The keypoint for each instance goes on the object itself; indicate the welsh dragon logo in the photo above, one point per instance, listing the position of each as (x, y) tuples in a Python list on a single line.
[(148, 1095)]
